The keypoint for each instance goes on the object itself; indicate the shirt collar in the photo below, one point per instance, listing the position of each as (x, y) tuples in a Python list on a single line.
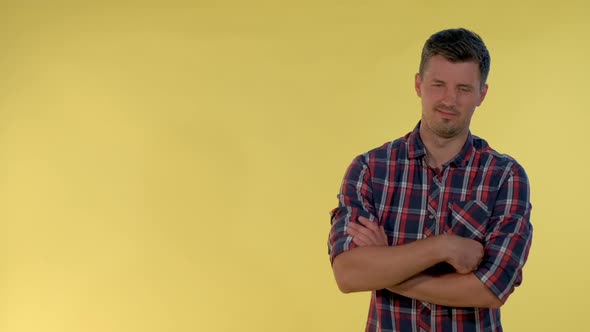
[(416, 148)]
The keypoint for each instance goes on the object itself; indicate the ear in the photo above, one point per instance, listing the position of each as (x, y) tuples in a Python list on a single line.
[(417, 82), (482, 94)]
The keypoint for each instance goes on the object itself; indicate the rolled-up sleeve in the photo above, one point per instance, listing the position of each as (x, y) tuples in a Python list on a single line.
[(509, 235), (355, 199)]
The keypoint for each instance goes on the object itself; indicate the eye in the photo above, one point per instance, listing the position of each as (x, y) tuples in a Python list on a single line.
[(465, 89)]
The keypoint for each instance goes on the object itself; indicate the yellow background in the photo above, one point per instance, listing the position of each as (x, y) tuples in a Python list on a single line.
[(170, 166)]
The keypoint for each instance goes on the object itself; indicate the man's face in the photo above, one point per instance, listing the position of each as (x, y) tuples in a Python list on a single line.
[(450, 92)]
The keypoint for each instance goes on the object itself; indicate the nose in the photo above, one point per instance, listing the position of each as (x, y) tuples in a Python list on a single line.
[(449, 98)]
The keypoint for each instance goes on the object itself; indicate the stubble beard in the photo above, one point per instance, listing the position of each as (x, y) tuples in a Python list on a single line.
[(445, 130)]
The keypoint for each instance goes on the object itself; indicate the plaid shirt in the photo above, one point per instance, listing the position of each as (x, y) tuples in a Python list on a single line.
[(480, 194)]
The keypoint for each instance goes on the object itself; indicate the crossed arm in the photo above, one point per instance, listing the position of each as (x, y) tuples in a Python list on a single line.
[(374, 265), (454, 290), (362, 261)]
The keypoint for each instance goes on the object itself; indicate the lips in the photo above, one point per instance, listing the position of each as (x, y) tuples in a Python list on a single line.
[(446, 113)]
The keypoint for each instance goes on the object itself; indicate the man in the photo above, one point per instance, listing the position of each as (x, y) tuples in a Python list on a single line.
[(436, 223)]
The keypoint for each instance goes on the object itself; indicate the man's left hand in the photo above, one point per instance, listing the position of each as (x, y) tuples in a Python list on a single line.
[(367, 233)]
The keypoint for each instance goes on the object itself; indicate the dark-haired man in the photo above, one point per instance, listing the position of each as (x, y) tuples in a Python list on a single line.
[(436, 223)]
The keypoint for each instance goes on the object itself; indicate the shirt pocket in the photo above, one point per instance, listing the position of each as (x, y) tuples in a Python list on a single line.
[(468, 219)]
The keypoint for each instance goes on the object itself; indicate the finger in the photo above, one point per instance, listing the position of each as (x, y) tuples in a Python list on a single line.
[(367, 240), (355, 226), (352, 229), (359, 242), (367, 223), (361, 219), (373, 236), (379, 236)]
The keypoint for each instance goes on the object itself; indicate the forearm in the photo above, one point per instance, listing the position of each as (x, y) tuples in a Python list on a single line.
[(373, 268), (454, 290)]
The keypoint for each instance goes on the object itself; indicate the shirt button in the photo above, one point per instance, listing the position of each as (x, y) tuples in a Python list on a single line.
[(430, 216)]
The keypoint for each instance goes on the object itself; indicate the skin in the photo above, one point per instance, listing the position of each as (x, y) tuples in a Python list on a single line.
[(460, 289), (449, 94)]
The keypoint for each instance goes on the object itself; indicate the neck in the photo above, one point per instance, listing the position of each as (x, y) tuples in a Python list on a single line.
[(440, 150)]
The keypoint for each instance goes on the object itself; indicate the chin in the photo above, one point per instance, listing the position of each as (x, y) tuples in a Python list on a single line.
[(447, 134), (445, 131)]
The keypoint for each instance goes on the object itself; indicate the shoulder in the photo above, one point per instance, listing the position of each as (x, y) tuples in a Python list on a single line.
[(378, 162), (386, 152), (491, 158)]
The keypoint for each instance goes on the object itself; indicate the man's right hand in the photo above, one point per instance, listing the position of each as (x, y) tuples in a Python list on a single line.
[(463, 254)]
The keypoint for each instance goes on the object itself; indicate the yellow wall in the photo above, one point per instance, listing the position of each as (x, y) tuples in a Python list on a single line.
[(170, 167)]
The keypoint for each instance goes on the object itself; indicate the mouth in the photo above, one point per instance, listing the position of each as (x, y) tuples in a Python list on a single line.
[(446, 114)]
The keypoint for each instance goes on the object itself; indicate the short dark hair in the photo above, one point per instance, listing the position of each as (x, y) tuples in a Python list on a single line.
[(457, 45)]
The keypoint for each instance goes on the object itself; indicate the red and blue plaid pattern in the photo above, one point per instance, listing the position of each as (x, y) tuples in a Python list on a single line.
[(480, 194)]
